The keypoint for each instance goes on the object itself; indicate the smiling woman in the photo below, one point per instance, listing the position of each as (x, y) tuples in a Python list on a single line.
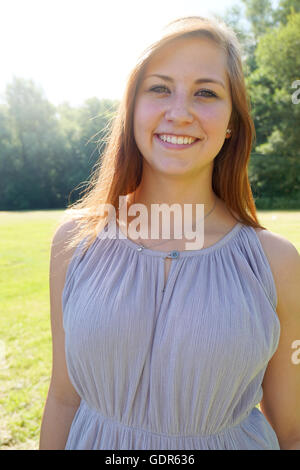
[(175, 349), (207, 84), (176, 101)]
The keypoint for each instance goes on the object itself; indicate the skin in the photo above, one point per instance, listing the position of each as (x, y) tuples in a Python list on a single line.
[(184, 108), (186, 177)]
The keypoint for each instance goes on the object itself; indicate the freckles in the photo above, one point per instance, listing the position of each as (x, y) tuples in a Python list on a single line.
[(147, 114), (214, 116), (151, 109), (149, 104), (210, 116)]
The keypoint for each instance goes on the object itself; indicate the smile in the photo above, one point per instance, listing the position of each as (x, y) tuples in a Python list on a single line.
[(175, 142)]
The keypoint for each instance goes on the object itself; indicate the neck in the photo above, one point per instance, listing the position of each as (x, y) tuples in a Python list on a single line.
[(139, 196)]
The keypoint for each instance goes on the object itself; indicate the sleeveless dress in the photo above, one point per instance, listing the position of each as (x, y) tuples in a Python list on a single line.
[(179, 367)]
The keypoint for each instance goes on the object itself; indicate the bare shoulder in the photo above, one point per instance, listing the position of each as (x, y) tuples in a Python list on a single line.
[(279, 250), (64, 231), (284, 260), (59, 252)]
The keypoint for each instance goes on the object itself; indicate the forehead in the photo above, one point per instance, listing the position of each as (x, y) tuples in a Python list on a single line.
[(189, 57)]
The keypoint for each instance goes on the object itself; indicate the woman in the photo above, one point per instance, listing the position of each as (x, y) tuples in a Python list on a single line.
[(156, 346)]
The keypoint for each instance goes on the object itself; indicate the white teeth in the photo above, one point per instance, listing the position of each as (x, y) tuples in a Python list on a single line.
[(177, 139)]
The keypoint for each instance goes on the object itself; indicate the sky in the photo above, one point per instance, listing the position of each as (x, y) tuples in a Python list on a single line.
[(77, 49)]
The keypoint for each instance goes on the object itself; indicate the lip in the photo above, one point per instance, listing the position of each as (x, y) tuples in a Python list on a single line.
[(169, 145)]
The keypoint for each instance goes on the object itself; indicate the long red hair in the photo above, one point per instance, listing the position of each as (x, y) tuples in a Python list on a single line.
[(119, 170)]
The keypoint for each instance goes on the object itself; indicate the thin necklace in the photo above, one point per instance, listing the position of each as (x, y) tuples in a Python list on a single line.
[(160, 243)]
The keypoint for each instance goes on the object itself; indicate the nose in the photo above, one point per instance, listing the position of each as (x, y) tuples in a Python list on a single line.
[(179, 110)]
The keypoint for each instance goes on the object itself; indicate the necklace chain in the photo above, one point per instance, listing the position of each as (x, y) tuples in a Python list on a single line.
[(160, 243)]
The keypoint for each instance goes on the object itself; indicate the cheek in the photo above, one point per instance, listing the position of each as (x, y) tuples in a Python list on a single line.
[(146, 114), (214, 118)]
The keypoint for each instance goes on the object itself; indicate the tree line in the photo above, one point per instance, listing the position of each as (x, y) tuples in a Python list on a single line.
[(48, 152)]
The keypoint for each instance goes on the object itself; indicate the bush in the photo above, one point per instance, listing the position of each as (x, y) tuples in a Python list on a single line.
[(277, 203)]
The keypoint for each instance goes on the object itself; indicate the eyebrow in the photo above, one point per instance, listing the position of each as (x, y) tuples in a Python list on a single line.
[(198, 81)]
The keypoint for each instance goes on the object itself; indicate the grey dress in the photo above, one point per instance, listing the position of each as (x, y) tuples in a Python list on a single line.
[(180, 368)]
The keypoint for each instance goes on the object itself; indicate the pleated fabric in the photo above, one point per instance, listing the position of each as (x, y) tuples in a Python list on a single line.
[(174, 368)]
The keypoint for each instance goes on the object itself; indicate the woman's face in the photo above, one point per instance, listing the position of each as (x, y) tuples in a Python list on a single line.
[(171, 100)]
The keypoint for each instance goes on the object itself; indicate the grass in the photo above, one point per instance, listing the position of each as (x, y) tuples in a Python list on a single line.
[(25, 338), (285, 223), (25, 341)]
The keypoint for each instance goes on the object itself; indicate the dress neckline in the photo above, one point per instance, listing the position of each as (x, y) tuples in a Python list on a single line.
[(184, 253)]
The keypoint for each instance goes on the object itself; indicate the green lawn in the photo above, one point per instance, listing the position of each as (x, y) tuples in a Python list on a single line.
[(25, 341), (285, 223), (25, 338)]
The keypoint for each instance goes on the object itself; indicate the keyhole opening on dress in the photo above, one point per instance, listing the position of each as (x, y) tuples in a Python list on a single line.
[(167, 266)]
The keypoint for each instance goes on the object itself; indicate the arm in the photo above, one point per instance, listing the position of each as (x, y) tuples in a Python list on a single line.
[(281, 385), (56, 423), (62, 400)]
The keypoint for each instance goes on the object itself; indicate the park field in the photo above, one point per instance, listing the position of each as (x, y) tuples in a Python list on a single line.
[(25, 334)]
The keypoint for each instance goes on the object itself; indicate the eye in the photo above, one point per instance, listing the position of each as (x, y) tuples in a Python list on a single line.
[(159, 87), (210, 94), (164, 89)]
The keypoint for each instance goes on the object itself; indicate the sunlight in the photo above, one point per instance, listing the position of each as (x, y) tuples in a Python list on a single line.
[(75, 50)]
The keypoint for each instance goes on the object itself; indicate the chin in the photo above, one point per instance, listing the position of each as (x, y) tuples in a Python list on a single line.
[(175, 169)]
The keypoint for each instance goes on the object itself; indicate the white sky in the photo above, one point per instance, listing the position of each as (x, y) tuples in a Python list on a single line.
[(76, 49)]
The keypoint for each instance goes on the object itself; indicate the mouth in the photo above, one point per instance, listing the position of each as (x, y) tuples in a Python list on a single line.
[(177, 145)]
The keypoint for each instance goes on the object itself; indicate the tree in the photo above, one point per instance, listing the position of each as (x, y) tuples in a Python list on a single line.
[(47, 152), (33, 128), (277, 117), (285, 8)]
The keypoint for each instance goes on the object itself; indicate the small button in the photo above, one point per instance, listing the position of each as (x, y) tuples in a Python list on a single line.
[(140, 248), (173, 254)]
